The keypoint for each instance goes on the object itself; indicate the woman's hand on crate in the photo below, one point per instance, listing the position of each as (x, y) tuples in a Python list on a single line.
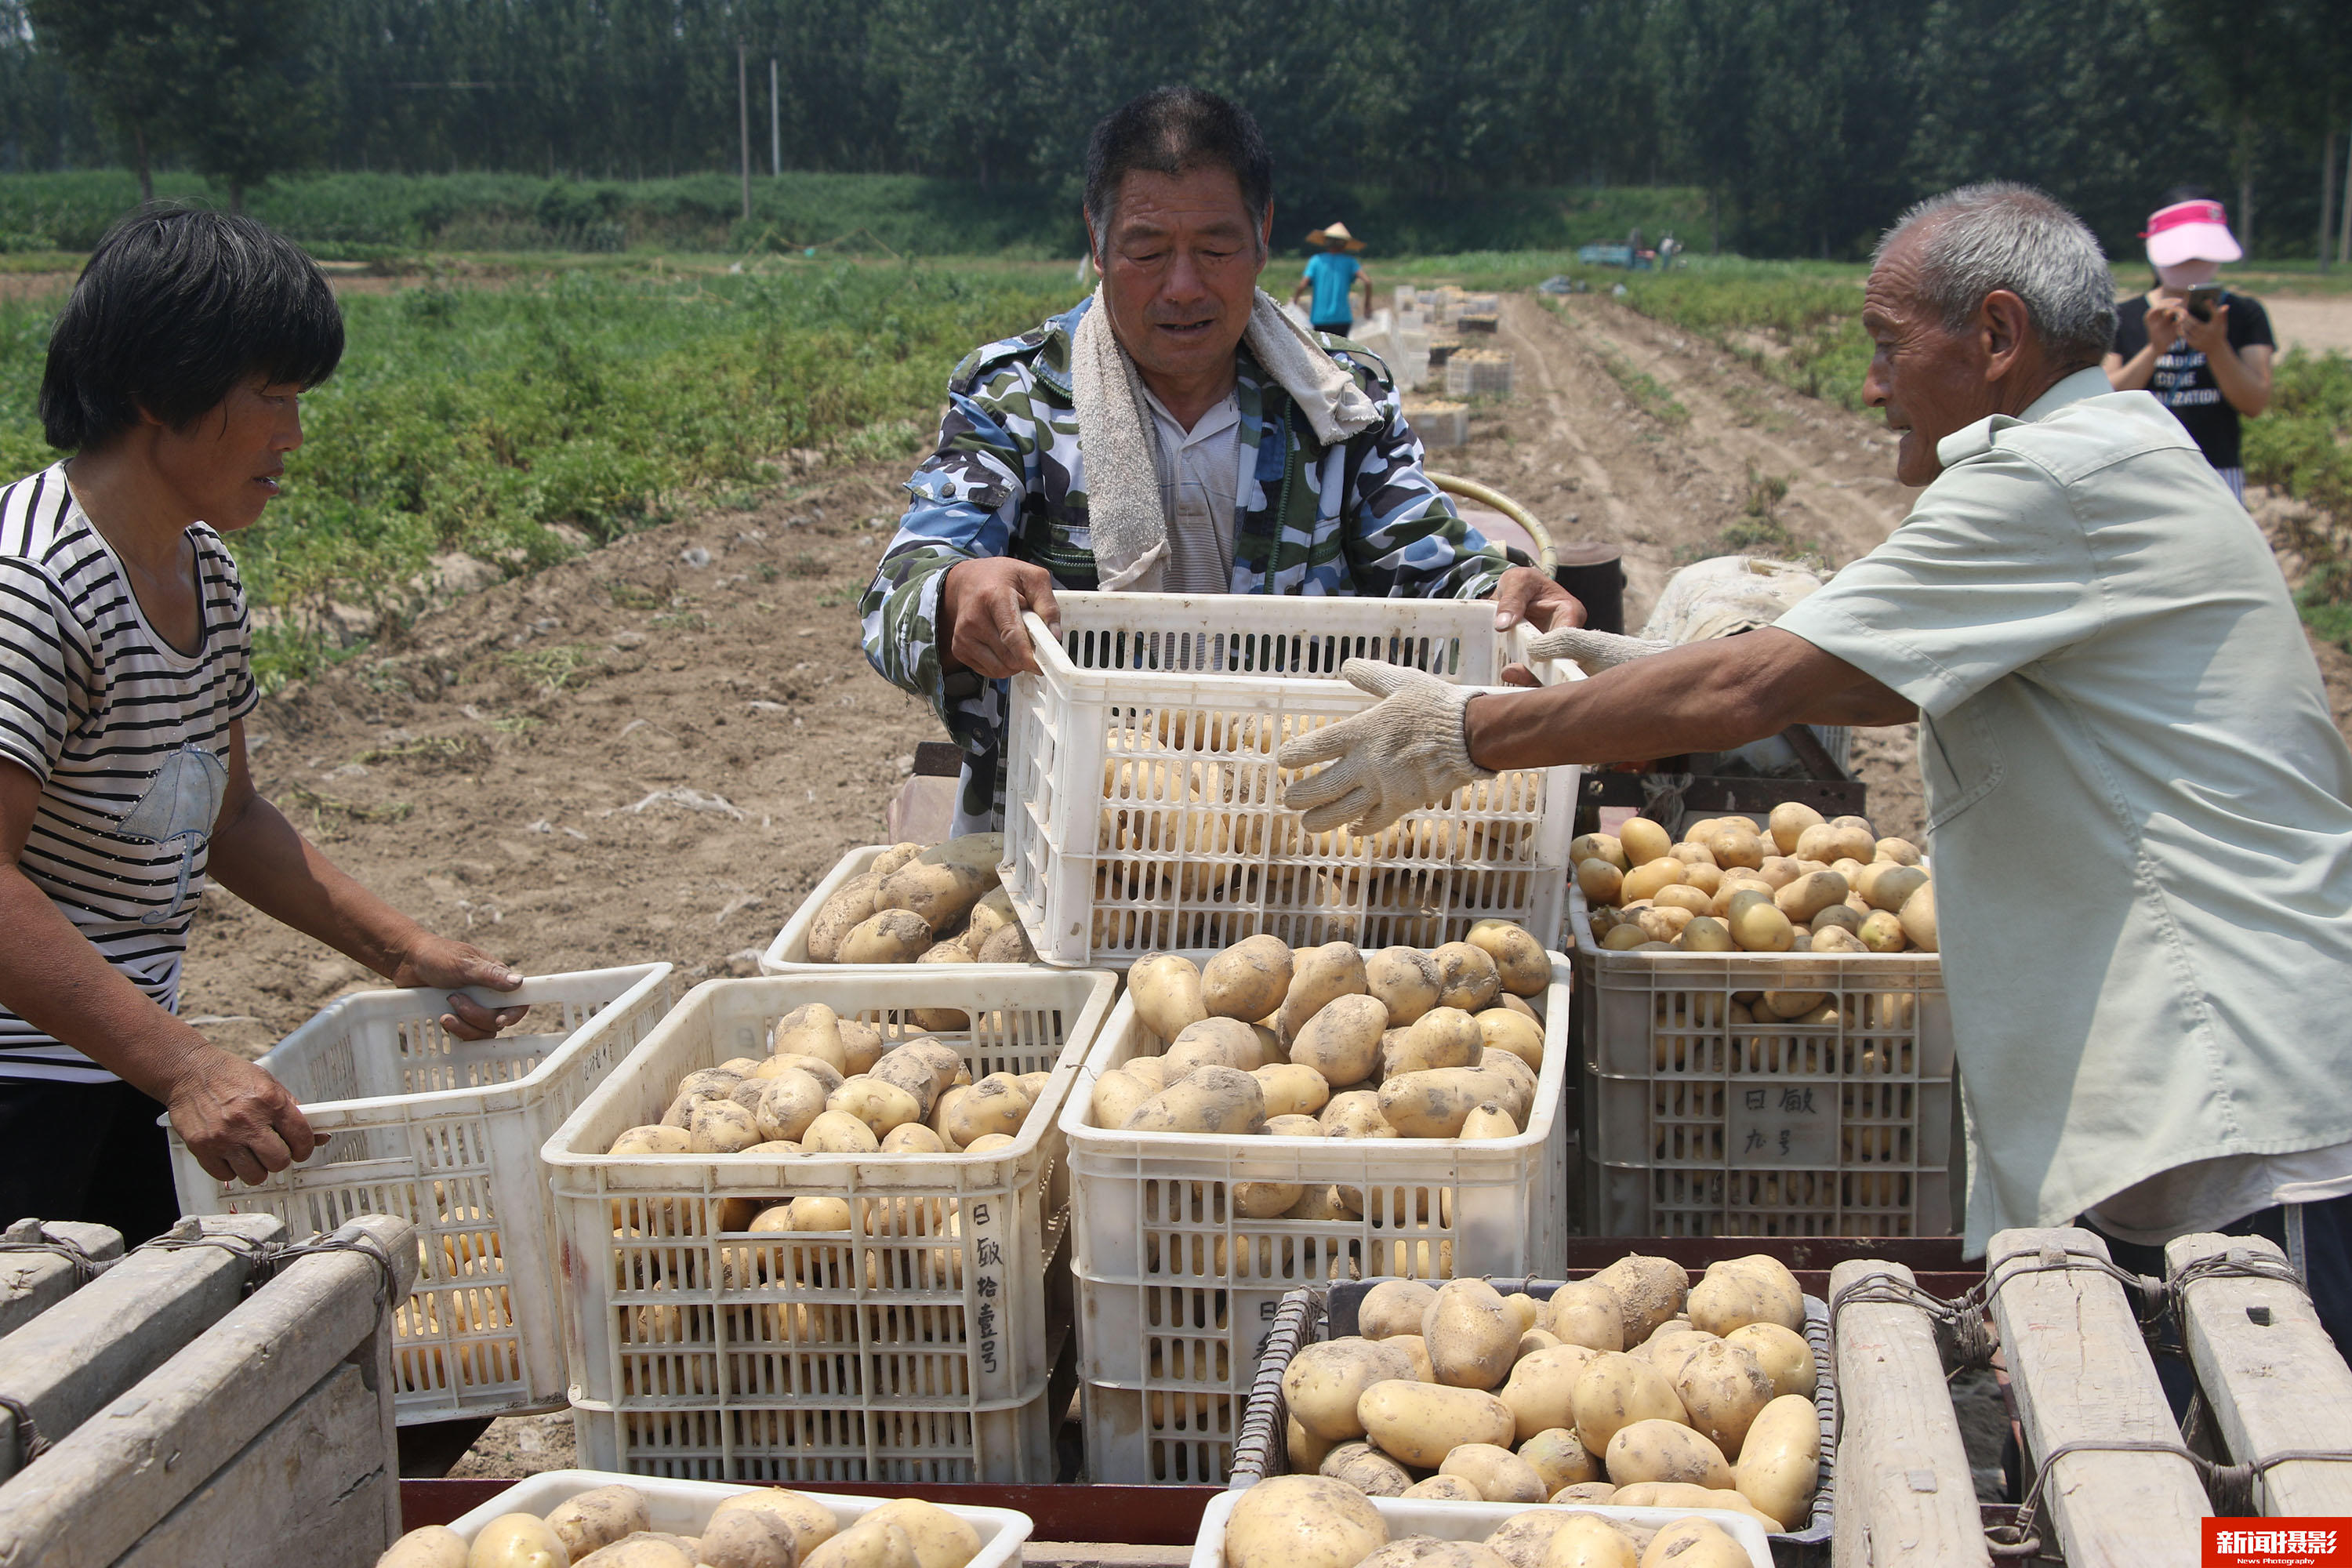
[(437, 961), (981, 600), (239, 1122), (1406, 752)]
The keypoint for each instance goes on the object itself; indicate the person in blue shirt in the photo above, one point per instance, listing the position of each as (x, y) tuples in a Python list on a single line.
[(1333, 275)]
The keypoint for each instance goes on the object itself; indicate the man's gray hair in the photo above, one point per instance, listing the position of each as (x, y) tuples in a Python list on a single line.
[(1999, 234)]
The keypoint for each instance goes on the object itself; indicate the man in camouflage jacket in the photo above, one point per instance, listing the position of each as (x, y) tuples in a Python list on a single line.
[(1008, 478)]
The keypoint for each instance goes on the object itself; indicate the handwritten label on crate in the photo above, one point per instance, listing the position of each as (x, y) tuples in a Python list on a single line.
[(987, 1290), (1792, 1124)]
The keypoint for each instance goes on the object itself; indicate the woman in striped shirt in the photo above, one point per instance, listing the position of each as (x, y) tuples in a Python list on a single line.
[(125, 678)]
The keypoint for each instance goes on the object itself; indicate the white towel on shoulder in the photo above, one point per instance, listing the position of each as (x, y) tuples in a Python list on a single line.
[(1125, 492)]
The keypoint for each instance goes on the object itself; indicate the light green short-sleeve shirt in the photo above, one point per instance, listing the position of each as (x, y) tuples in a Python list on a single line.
[(2136, 803)]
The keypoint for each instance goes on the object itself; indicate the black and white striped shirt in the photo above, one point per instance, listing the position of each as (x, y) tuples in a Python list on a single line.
[(128, 736)]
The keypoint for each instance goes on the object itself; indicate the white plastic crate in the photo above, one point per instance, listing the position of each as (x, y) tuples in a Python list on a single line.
[(1477, 1520), (1693, 1127), (1177, 1294), (788, 954), (1478, 372), (683, 1507), (446, 1133), (916, 1351), (1143, 804)]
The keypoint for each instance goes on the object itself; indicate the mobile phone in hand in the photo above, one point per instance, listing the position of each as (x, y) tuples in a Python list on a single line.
[(2202, 299)]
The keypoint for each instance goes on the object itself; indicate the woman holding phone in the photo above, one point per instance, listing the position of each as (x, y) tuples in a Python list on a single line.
[(2204, 351)]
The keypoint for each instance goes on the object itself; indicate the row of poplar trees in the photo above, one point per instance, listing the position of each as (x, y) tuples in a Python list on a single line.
[(1806, 121)]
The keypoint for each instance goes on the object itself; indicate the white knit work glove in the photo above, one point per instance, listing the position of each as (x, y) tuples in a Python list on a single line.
[(1594, 652), (1405, 754)]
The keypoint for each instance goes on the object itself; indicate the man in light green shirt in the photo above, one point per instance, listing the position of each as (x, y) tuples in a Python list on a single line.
[(2137, 796)]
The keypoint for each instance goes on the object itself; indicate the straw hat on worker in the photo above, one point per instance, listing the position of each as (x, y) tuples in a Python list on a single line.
[(1335, 236)]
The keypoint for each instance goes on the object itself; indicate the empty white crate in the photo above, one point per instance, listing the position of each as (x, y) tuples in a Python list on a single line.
[(916, 1351), (1143, 802), (446, 1133), (1694, 1125), (1177, 1294), (683, 1507)]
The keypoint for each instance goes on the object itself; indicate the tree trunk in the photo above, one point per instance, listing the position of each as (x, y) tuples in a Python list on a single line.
[(236, 196), (2246, 184), (2344, 207), (146, 175), (2327, 181)]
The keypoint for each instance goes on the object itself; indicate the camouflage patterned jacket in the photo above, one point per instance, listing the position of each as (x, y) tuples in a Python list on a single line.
[(1007, 478)]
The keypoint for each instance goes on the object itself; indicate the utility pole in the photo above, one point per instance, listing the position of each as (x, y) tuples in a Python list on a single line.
[(743, 116), (775, 123)]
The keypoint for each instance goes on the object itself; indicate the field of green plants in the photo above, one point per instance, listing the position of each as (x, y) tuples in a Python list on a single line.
[(471, 418)]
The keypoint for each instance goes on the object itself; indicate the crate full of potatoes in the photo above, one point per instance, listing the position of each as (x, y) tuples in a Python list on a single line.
[(806, 1228), (1143, 795), (1767, 1041), (1633, 1387), (904, 903), (1268, 1119)]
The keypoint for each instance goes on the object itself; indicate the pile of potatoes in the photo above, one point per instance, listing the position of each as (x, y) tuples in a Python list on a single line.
[(1631, 1388), (1329, 1042), (1803, 885), (831, 1085), (608, 1528), (939, 903), (1309, 1521)]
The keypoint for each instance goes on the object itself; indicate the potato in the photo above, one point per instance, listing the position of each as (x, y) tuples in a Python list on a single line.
[(642, 1549), (942, 893), (1355, 1113), (1880, 931), (1426, 1552), (1167, 992), (1779, 871), (1517, 1089), (1643, 840), (1733, 1295), (1214, 1042), (1761, 927), (1663, 1450), (994, 1105), (1366, 1469), (888, 936), (1648, 1290), (434, 1546), (1901, 851), (1471, 1337), (1780, 1464), (1884, 885), (1499, 1475), (913, 1138), (517, 1540), (1601, 882), (898, 855), (810, 1523), (1785, 1356), (1841, 915), (923, 1067), (1324, 1381), (1005, 945), (1407, 981), (1694, 1543), (1541, 1392), (827, 1075), (721, 1127), (1342, 1040), (1589, 1541), (1488, 1121), (1585, 1492), (1606, 848), (1501, 1029), (1319, 974), (1613, 1391), (941, 1540), (1420, 1424), (1788, 824), (1434, 1104), (1560, 1457), (838, 1132), (881, 1106), (1645, 879), (1393, 1307), (1531, 1341), (598, 1517), (1303, 1521), (1444, 1489), (1685, 896), (1520, 961), (851, 904), (1292, 1088), (1213, 1099), (1522, 1538), (1416, 1350), (654, 1141), (1266, 1200), (1663, 922), (1248, 980), (747, 1538), (1723, 1388), (1292, 1126), (1809, 894), (1918, 917), (1444, 1037), (1587, 1312), (868, 1543), (1302, 1448), (1625, 938), (1670, 1347), (1469, 977)]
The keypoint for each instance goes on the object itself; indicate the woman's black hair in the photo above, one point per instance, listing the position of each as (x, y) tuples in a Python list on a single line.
[(1168, 130), (177, 306)]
